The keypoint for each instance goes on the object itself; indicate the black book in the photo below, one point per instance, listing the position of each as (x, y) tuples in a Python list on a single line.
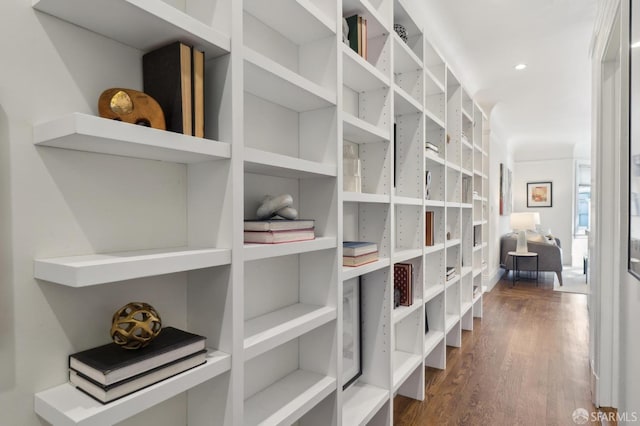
[(105, 394), (167, 77), (110, 363)]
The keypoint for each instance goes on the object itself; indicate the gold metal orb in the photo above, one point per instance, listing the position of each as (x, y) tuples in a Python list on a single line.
[(135, 325), (121, 103)]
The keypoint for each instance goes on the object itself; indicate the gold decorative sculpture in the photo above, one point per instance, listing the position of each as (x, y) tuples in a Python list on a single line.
[(135, 325), (131, 106)]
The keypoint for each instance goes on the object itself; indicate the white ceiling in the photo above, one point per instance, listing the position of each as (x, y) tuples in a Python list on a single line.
[(482, 40)]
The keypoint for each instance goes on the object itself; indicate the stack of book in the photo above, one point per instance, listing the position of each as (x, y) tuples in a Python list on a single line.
[(431, 149), (109, 372), (274, 231), (356, 253), (358, 34), (174, 76), (451, 273), (403, 283)]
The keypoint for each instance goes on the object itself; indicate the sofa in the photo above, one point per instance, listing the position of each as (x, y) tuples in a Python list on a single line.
[(549, 254)]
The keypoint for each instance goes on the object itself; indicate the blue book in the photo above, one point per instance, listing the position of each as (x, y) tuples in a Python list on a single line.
[(358, 248)]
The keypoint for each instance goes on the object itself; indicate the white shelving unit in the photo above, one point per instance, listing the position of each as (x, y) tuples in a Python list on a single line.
[(284, 96)]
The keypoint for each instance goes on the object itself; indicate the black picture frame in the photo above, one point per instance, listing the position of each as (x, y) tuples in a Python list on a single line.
[(539, 194), (351, 331)]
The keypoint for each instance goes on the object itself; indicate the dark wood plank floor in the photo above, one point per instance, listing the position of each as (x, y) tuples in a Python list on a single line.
[(525, 363)]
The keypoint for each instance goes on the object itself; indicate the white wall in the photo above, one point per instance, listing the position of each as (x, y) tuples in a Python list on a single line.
[(58, 203), (559, 217), (498, 225)]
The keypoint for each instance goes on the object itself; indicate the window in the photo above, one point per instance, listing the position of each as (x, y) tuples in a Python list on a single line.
[(583, 199)]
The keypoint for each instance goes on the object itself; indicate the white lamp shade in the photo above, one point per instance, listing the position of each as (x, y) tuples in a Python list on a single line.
[(524, 221)]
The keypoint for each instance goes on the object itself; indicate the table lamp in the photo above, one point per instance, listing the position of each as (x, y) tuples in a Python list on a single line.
[(520, 223)]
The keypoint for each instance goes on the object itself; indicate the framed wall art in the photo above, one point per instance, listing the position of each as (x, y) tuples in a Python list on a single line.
[(539, 194), (351, 333)]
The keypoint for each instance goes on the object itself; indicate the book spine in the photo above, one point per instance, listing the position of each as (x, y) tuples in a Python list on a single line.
[(198, 93)]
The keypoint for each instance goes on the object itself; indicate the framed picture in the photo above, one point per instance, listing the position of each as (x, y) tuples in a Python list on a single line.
[(351, 332), (539, 194), (506, 201)]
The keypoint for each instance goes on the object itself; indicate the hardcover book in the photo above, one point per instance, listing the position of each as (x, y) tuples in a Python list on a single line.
[(275, 237), (358, 248), (278, 224), (174, 76), (105, 394), (359, 260), (110, 363), (403, 282), (428, 227)]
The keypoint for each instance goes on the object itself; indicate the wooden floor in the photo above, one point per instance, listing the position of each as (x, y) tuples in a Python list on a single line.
[(525, 363)]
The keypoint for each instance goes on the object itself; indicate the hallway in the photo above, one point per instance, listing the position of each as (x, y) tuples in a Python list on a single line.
[(525, 363)]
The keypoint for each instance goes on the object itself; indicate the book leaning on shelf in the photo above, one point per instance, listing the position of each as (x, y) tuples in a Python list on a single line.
[(274, 231), (110, 363)]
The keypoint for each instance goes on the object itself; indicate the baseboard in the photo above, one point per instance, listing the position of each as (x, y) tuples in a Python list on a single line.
[(493, 279)]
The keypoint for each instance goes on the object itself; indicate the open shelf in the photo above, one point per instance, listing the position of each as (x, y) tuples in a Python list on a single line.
[(453, 242), (431, 292), (269, 80), (83, 132), (377, 25), (361, 402), (264, 251), (465, 270), (431, 340), (66, 405), (450, 321), (406, 254), (141, 24), (268, 331), (360, 75), (407, 201), (401, 312), (404, 103), (452, 281), (432, 156), (271, 164), (87, 270), (349, 272), (403, 365), (288, 399), (405, 59), (357, 130), (363, 197), (434, 248), (465, 308), (310, 23)]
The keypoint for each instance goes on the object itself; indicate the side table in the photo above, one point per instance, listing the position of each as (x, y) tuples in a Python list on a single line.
[(516, 255)]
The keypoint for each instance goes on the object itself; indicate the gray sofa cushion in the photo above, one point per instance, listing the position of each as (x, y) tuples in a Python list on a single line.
[(549, 255)]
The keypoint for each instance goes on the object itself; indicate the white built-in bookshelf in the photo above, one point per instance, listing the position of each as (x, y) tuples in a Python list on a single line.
[(284, 94)]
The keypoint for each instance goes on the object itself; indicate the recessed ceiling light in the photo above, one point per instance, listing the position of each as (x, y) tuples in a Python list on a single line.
[(520, 67)]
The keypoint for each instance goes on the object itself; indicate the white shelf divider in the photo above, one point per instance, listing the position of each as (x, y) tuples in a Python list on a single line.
[(405, 103), (271, 164), (431, 340), (269, 80), (142, 24), (275, 328), (434, 248), (87, 270), (288, 399), (349, 272), (310, 23), (65, 405), (405, 60), (431, 292), (360, 75), (356, 130), (401, 312), (450, 321), (264, 251), (433, 157), (405, 254), (363, 197), (407, 201), (361, 402), (434, 203), (83, 132), (404, 364)]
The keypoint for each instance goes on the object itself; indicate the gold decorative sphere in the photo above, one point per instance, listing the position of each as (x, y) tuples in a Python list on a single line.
[(135, 325)]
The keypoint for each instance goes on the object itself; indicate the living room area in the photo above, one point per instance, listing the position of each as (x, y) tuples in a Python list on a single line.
[(551, 188)]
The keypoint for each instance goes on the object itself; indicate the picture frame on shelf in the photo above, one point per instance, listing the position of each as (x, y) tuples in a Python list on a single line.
[(351, 332), (539, 194)]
